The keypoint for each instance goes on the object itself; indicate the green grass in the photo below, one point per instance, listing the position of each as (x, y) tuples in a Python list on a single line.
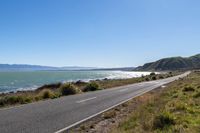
[(188, 88), (175, 109), (163, 121)]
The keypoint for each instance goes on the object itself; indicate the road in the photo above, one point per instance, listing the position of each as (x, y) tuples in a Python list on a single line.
[(58, 115)]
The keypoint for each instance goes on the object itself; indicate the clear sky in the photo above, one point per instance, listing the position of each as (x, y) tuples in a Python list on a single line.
[(101, 33)]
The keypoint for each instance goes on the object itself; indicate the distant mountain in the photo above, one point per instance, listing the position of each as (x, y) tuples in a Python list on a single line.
[(173, 63), (77, 68), (24, 67), (21, 67)]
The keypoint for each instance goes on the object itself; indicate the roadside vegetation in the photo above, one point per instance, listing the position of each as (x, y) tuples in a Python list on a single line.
[(69, 89), (57, 90), (175, 109)]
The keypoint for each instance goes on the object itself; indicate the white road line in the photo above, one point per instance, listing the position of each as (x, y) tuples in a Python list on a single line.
[(122, 90), (82, 101)]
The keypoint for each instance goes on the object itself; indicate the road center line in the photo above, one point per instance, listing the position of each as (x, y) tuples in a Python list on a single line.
[(123, 90), (81, 101)]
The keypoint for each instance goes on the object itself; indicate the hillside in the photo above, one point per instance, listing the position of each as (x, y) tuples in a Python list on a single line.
[(173, 63)]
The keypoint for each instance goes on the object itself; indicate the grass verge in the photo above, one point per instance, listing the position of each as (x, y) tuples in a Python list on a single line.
[(176, 109)]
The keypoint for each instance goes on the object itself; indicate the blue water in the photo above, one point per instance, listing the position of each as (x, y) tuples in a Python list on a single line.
[(14, 81)]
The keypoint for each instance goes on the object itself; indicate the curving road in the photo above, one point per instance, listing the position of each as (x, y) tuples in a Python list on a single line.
[(61, 114)]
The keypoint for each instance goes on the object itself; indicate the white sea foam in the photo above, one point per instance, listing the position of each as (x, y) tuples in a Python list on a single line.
[(27, 88), (126, 75)]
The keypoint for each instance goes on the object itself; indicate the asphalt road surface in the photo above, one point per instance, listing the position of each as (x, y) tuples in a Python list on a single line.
[(59, 115)]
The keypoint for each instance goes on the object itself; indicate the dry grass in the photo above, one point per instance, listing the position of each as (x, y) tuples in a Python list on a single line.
[(176, 109)]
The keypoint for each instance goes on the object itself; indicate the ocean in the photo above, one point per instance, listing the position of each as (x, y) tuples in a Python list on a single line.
[(30, 80)]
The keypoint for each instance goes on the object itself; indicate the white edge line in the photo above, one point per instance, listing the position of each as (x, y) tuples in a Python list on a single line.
[(86, 100), (81, 121)]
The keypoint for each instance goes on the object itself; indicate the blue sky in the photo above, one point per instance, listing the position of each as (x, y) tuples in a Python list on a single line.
[(101, 33)]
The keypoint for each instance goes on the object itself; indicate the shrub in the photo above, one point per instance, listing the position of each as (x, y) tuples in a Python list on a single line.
[(93, 86), (2, 102), (27, 100), (154, 78), (37, 98), (163, 120), (79, 82), (146, 79), (188, 88), (50, 86), (69, 89), (152, 74), (161, 77), (109, 115), (197, 94), (180, 106), (12, 99), (45, 94), (17, 99)]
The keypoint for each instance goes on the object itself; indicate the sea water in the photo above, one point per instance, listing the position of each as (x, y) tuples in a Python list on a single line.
[(29, 80)]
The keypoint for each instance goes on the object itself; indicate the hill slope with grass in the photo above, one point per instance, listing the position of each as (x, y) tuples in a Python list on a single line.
[(173, 63)]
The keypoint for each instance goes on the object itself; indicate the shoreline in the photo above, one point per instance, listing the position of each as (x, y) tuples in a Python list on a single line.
[(35, 87)]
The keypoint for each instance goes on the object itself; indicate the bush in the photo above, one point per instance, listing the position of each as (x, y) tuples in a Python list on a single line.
[(110, 114), (188, 88), (15, 100), (146, 79), (163, 120), (69, 89), (180, 106), (27, 100), (154, 78), (197, 95), (93, 86), (152, 74), (161, 77), (45, 94), (2, 102)]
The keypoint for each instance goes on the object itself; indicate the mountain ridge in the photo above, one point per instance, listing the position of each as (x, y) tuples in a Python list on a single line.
[(172, 63), (26, 67)]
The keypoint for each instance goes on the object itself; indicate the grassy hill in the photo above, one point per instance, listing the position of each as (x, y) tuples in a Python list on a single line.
[(173, 63)]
